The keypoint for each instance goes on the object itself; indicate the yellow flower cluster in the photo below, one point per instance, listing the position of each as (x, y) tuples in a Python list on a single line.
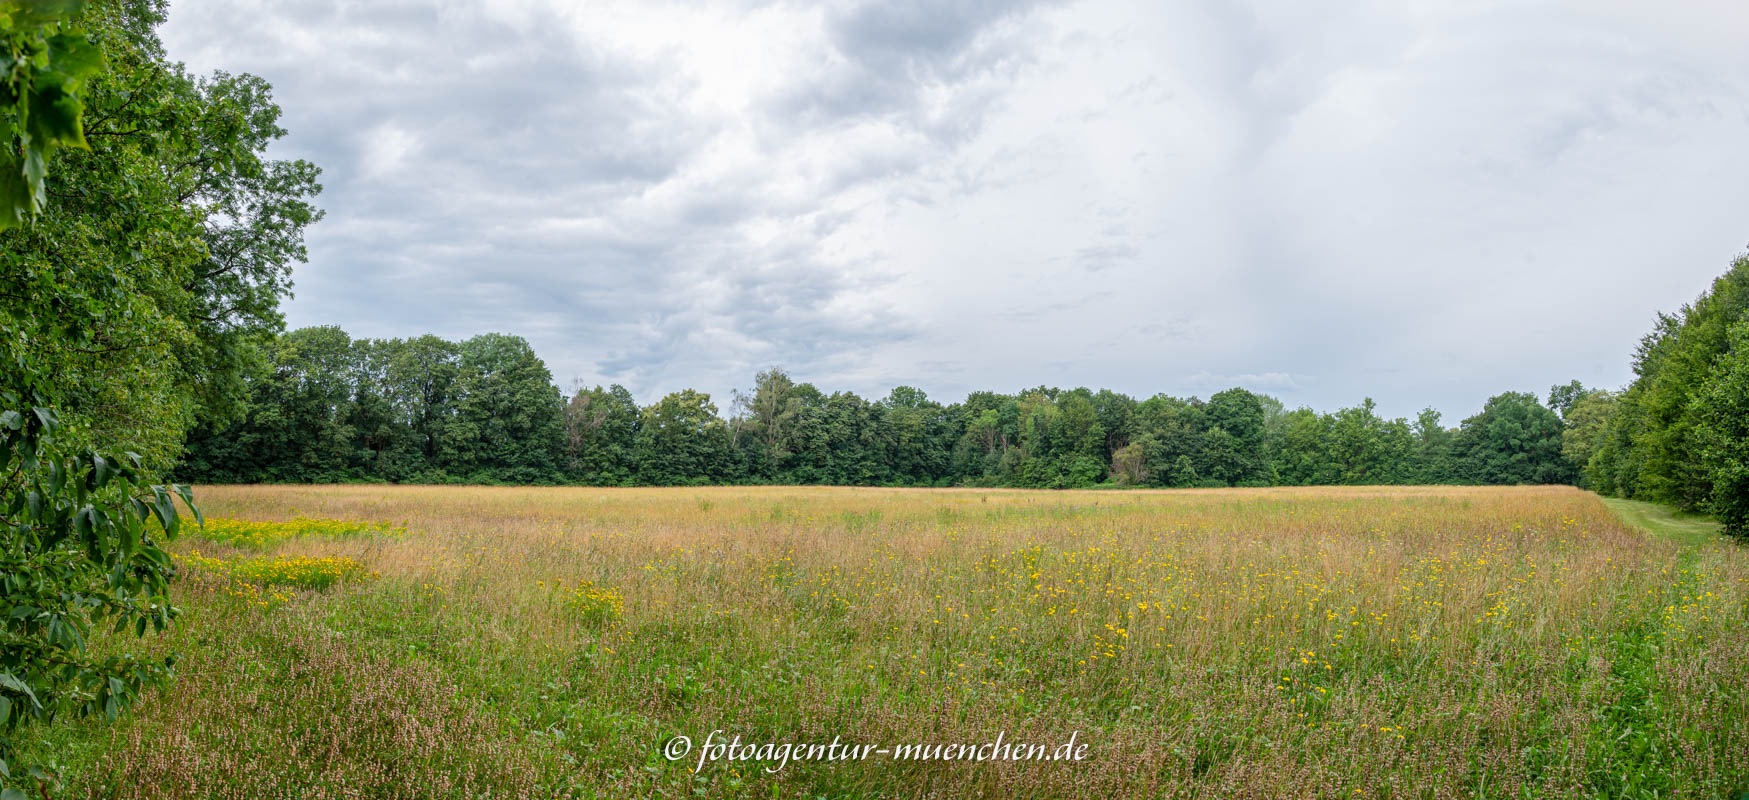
[(218, 573), (597, 604), (301, 572), (255, 595), (254, 533)]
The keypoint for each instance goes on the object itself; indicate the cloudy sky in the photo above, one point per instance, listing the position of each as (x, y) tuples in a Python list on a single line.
[(1423, 202)]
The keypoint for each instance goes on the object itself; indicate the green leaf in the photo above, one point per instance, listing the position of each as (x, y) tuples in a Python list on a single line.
[(37, 13), (130, 536), (35, 171), (74, 56), (55, 118), (15, 202), (165, 508), (186, 492)]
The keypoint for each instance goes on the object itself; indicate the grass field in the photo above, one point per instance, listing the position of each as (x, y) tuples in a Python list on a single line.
[(1365, 642)]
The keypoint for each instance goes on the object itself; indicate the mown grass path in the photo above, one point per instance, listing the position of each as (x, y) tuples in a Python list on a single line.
[(1634, 753), (1664, 521)]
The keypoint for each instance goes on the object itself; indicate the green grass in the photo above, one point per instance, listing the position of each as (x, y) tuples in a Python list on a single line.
[(1659, 520), (1337, 643)]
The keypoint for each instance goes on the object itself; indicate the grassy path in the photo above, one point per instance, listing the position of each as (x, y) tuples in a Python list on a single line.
[(1632, 729), (1659, 520)]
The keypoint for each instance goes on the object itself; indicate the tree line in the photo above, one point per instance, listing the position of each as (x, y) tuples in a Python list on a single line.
[(1679, 433), (331, 408)]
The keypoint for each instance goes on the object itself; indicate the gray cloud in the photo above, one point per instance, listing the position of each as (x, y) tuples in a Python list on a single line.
[(1425, 204), (1103, 256)]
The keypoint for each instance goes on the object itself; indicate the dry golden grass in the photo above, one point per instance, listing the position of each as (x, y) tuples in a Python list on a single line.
[(1367, 642)]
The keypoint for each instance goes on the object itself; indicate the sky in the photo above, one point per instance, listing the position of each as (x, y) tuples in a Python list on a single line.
[(1425, 203)]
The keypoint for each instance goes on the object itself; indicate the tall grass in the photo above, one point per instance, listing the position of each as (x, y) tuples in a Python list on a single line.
[(1369, 642)]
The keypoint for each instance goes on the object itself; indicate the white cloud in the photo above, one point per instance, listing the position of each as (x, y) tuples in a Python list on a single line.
[(1426, 203)]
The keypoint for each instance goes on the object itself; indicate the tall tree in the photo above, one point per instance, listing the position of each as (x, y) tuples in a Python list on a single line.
[(1368, 449), (987, 448), (1301, 454), (1722, 408), (1116, 414), (601, 431), (1585, 419), (1514, 440), (765, 417), (681, 441), (1562, 397), (857, 440), (385, 443), (1237, 457), (916, 429), (421, 376), (1652, 446), (1169, 432), (507, 424), (1431, 462), (255, 210)]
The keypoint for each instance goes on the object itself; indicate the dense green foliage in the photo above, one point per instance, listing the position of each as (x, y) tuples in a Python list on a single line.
[(329, 408), (44, 64), (1584, 419), (172, 231), (80, 545), (1676, 435), (1514, 440), (1722, 408), (140, 270)]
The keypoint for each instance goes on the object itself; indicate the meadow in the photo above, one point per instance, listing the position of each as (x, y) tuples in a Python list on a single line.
[(1426, 642)]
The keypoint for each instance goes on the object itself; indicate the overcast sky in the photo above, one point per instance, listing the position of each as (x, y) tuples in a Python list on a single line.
[(1427, 203)]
